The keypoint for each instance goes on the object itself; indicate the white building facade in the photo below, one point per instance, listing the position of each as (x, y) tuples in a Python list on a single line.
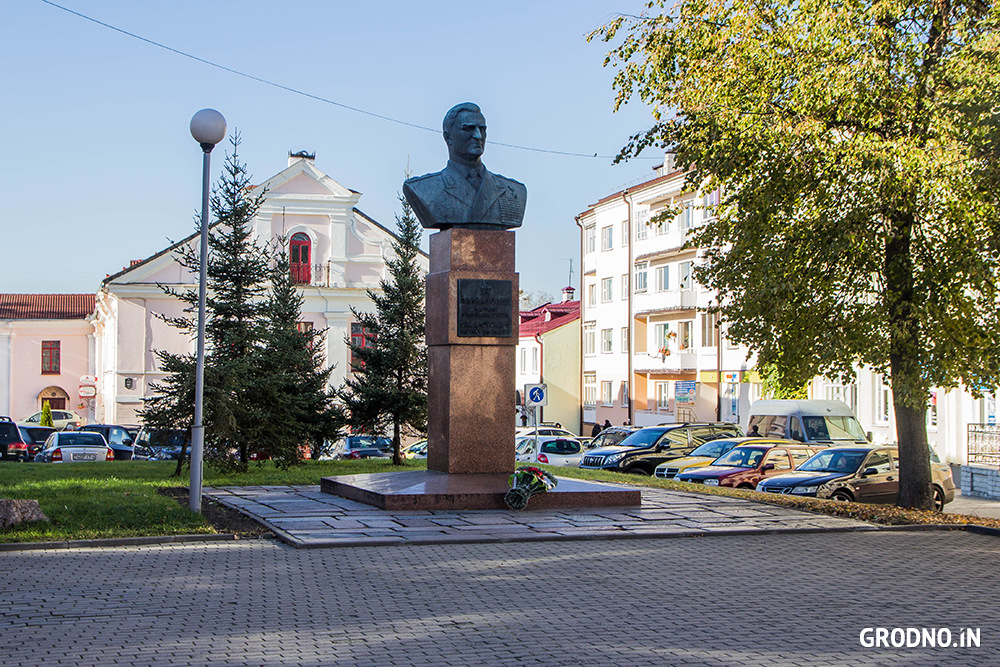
[(337, 254), (653, 354)]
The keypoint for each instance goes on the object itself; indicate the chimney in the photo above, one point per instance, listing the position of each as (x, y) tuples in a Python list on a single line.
[(568, 293), (301, 155)]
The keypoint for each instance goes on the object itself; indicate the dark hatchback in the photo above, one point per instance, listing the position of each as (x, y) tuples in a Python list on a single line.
[(12, 444), (34, 437), (643, 450), (118, 439)]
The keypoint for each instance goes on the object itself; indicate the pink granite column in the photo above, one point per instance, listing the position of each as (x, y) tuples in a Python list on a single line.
[(472, 334)]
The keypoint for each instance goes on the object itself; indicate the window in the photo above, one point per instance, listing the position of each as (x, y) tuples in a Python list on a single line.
[(360, 338), (662, 396), (779, 457), (883, 399), (661, 333), (640, 277), (687, 216), (591, 295), (846, 393), (709, 322), (662, 278), (304, 327), (683, 335), (624, 340), (50, 357), (880, 461), (662, 226), (625, 400), (589, 390), (524, 360), (606, 396), (299, 250), (606, 341), (625, 234), (624, 287), (588, 339), (606, 238), (591, 240), (607, 289), (710, 202), (534, 360), (641, 224), (685, 277)]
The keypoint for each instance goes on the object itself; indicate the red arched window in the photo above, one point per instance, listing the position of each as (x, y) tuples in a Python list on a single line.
[(299, 251)]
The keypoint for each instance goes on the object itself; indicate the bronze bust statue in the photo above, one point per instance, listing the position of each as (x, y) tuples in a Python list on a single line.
[(464, 194)]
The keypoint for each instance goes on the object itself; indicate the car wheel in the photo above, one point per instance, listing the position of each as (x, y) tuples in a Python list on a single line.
[(842, 497), (745, 486), (938, 499), (636, 470)]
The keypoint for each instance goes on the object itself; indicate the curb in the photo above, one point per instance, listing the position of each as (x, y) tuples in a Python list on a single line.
[(118, 542)]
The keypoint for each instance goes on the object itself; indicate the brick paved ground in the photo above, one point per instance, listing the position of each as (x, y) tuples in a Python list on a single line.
[(306, 517), (779, 599)]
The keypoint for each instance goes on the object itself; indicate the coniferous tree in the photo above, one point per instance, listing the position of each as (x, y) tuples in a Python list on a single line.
[(388, 388), (238, 270), (46, 418), (292, 406)]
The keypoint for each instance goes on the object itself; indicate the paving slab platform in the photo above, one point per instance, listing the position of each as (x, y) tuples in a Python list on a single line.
[(433, 490), (306, 517)]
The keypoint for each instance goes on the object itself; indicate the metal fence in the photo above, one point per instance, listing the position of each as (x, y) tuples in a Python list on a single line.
[(984, 444)]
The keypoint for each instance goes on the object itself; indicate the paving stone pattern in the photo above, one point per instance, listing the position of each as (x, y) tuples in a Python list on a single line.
[(306, 517), (758, 599)]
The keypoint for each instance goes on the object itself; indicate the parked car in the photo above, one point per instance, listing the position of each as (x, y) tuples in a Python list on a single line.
[(62, 420), (640, 452), (814, 421), (702, 456), (611, 436), (744, 466), (118, 439), (75, 447), (12, 444), (34, 437), (161, 444), (858, 474), (365, 447), (417, 450), (551, 449), (543, 429)]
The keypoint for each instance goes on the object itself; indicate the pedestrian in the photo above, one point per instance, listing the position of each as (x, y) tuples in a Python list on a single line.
[(754, 432), (596, 431), (558, 425), (626, 423), (607, 424)]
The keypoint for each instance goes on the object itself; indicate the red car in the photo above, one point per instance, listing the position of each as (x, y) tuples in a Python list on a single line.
[(743, 467)]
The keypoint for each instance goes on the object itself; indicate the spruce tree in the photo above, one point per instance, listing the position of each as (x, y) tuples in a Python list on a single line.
[(388, 387), (238, 271), (46, 418), (292, 405)]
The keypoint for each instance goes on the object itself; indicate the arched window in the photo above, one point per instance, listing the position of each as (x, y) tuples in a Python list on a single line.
[(299, 252)]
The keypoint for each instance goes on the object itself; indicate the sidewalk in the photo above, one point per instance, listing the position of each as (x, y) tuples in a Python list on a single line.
[(984, 507), (305, 517)]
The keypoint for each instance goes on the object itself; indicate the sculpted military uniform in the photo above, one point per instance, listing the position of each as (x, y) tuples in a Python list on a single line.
[(473, 198)]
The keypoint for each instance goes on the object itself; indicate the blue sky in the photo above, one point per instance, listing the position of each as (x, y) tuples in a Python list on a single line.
[(99, 167)]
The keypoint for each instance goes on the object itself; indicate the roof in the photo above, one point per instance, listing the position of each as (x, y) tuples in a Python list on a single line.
[(548, 316), (46, 306)]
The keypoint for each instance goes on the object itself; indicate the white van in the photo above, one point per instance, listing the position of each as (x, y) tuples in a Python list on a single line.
[(829, 422)]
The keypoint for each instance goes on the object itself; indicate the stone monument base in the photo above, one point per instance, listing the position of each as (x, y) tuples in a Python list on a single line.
[(433, 490)]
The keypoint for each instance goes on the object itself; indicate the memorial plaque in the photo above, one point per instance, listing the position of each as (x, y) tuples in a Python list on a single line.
[(484, 308)]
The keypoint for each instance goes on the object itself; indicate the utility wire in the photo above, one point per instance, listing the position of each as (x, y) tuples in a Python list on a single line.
[(318, 98)]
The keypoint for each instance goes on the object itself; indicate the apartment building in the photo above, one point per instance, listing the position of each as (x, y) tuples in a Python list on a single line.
[(651, 351)]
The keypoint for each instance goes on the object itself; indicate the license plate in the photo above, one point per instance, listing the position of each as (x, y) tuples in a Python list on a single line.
[(711, 482), (84, 457)]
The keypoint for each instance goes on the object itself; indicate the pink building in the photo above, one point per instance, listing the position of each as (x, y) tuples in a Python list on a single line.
[(46, 345)]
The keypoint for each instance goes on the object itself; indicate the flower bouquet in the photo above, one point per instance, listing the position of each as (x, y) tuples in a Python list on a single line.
[(526, 482)]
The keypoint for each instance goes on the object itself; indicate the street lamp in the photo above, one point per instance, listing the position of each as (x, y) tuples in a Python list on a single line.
[(208, 128)]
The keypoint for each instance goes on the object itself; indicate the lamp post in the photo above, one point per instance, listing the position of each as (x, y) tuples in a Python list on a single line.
[(208, 128)]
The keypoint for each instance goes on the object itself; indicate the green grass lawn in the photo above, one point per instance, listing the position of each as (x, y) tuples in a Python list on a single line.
[(120, 499)]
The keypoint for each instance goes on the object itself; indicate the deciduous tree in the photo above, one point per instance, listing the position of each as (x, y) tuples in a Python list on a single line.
[(856, 142)]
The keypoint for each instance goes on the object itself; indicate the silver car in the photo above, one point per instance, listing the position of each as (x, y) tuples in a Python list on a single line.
[(553, 450), (75, 447)]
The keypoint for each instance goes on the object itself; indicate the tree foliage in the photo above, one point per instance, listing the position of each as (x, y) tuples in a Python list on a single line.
[(856, 142), (46, 418), (265, 389), (387, 390)]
